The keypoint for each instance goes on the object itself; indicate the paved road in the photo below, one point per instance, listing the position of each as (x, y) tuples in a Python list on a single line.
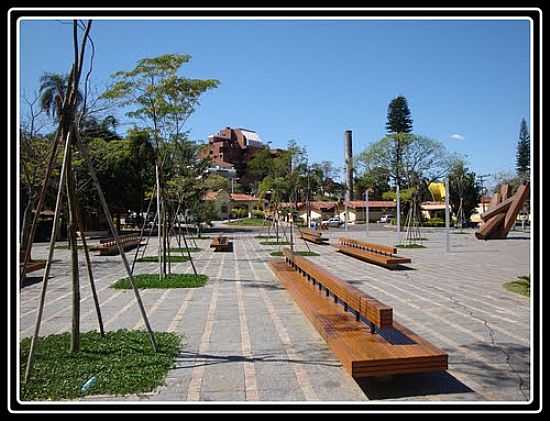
[(245, 339)]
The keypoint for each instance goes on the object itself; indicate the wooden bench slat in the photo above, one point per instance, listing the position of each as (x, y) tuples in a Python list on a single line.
[(375, 258), (371, 252), (368, 307), (221, 243), (312, 236)]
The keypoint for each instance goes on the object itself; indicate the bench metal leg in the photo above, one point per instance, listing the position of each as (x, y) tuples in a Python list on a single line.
[(372, 327), (328, 292), (357, 316), (345, 307)]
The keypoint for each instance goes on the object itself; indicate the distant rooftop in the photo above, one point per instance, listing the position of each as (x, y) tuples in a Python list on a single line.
[(251, 135)]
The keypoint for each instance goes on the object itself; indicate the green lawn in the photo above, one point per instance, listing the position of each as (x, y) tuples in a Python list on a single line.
[(173, 280), (410, 246), (122, 362), (275, 243), (298, 253), (172, 258), (248, 222), (184, 250), (520, 286)]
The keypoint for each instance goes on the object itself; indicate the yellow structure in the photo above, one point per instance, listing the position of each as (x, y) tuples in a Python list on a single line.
[(438, 191)]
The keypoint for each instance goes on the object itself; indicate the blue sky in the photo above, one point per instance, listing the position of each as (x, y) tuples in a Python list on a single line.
[(312, 80)]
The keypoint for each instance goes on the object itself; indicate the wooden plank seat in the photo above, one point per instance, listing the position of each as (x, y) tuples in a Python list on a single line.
[(221, 244), (374, 253), (312, 236), (109, 247), (367, 340)]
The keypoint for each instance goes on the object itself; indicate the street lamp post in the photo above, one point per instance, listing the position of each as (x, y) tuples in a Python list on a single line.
[(447, 217), (398, 213), (397, 193), (367, 211)]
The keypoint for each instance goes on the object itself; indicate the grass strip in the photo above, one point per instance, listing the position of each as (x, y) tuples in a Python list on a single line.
[(122, 362), (274, 243), (152, 280), (184, 250), (521, 286), (248, 222)]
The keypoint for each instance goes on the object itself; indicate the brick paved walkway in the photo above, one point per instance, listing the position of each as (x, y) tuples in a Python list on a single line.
[(245, 339)]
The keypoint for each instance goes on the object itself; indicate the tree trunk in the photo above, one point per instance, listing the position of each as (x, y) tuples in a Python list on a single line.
[(75, 330)]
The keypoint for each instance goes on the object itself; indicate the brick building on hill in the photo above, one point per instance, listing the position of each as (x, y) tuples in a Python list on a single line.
[(233, 146)]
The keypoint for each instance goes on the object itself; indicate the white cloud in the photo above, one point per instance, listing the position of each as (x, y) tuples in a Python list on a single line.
[(457, 137)]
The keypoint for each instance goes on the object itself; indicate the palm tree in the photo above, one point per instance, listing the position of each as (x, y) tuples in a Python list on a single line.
[(53, 87)]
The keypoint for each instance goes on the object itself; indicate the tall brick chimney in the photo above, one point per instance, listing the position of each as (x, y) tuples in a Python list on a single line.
[(348, 155)]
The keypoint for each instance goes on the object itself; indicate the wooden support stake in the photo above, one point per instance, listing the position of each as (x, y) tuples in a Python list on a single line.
[(55, 229), (142, 229), (84, 152), (89, 268), (75, 276)]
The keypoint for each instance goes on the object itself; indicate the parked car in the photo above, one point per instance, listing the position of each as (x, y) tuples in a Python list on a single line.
[(385, 219), (334, 222)]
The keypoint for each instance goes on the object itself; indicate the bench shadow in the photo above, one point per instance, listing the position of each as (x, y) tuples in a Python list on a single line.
[(401, 267), (394, 337), (251, 283), (31, 280), (516, 238), (412, 385)]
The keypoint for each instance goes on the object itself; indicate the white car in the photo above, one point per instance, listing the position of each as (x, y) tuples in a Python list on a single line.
[(334, 222), (385, 219)]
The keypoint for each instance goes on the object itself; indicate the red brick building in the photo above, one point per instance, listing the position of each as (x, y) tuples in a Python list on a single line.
[(233, 146)]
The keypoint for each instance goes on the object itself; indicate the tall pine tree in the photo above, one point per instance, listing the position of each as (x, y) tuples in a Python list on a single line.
[(399, 122), (399, 116), (523, 166)]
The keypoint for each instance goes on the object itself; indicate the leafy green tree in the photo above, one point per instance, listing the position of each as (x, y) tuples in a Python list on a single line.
[(157, 95), (216, 182), (162, 100), (105, 129), (375, 179), (422, 159), (464, 185), (120, 167), (523, 163)]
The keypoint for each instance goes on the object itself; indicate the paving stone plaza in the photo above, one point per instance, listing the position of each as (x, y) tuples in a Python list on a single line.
[(244, 338)]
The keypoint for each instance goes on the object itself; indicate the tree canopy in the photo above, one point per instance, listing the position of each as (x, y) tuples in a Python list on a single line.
[(399, 116)]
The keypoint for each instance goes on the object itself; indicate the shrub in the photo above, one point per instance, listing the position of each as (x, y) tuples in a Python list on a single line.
[(256, 213), (434, 222)]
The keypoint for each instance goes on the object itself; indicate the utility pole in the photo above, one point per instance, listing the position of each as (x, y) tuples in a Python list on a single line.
[(447, 217), (367, 211)]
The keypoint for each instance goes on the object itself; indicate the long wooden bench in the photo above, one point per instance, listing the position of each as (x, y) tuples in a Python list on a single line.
[(359, 329), (374, 253), (109, 247), (312, 236), (221, 243)]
